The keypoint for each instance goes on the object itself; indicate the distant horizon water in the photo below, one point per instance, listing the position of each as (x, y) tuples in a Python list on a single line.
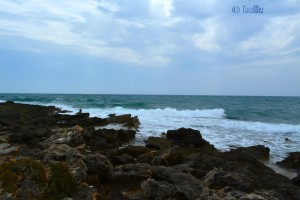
[(224, 121)]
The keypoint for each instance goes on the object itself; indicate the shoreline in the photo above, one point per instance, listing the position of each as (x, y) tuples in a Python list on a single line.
[(182, 165)]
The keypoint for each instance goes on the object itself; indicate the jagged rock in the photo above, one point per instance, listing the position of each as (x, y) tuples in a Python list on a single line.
[(98, 164), (158, 189), (70, 136), (130, 173), (259, 152), (158, 143), (292, 161), (127, 120), (78, 168), (186, 136), (60, 152), (296, 180), (123, 159), (146, 157), (133, 151), (7, 149), (218, 179), (187, 184), (170, 157), (108, 138)]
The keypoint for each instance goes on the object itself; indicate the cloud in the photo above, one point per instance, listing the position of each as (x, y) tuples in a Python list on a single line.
[(277, 35), (162, 8)]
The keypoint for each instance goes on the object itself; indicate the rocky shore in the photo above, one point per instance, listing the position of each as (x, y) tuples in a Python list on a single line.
[(47, 154)]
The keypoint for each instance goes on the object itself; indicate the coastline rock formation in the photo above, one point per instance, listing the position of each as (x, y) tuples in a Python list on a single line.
[(45, 154)]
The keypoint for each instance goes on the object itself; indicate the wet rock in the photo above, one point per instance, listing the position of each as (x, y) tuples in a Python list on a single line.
[(292, 161), (123, 159), (259, 152), (127, 120), (169, 157), (130, 172), (158, 143), (98, 164), (70, 136), (296, 180), (60, 152), (188, 185), (158, 189), (8, 149), (186, 136), (218, 179), (133, 151), (146, 157)]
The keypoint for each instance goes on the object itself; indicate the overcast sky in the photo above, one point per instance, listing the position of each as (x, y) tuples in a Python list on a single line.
[(150, 47)]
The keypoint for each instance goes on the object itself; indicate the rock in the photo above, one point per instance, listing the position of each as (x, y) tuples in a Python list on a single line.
[(146, 157), (98, 164), (188, 185), (291, 162), (130, 173), (60, 152), (162, 173), (186, 136), (158, 143), (158, 189), (78, 168), (123, 159), (259, 152), (6, 196), (218, 179), (84, 192), (127, 120), (296, 180), (70, 136), (7, 149), (133, 151), (170, 157), (4, 139)]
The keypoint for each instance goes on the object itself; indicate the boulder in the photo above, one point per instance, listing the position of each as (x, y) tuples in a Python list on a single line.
[(123, 159), (133, 151), (259, 152), (292, 161), (70, 136), (169, 157), (130, 173), (60, 152), (98, 164), (296, 180), (188, 185), (158, 189), (158, 143), (146, 157), (127, 120), (186, 136)]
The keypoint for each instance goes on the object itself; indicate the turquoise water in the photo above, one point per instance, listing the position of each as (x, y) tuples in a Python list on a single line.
[(225, 121)]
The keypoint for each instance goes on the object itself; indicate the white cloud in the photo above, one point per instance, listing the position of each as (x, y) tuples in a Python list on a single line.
[(161, 7), (277, 35), (208, 39)]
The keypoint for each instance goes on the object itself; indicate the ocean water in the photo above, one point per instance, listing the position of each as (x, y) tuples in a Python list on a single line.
[(225, 121)]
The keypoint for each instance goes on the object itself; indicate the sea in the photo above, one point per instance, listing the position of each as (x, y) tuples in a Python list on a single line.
[(225, 121)]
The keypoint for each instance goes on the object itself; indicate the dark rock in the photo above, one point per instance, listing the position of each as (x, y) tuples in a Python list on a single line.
[(291, 162), (169, 157), (78, 169), (259, 152), (134, 151), (127, 120), (162, 173), (8, 149), (158, 189), (186, 136), (130, 172), (146, 157), (123, 159), (158, 143), (188, 185), (217, 180), (98, 164), (296, 180)]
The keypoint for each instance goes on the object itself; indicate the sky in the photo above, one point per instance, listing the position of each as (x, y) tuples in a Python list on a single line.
[(150, 47)]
